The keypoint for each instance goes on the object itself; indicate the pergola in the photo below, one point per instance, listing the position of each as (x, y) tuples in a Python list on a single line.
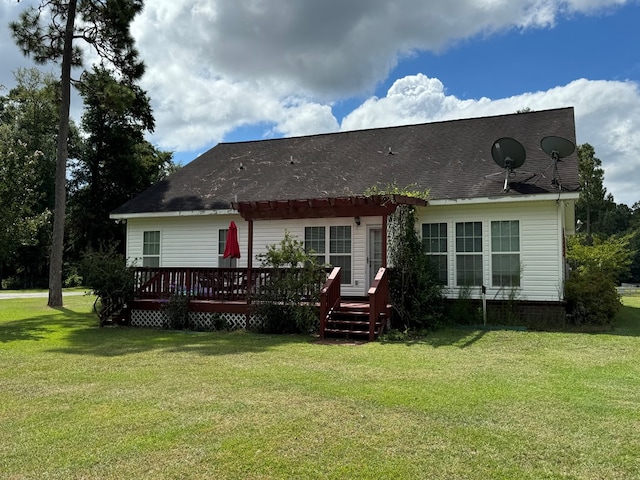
[(324, 207)]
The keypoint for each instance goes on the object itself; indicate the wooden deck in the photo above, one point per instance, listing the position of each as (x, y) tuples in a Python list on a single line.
[(232, 291)]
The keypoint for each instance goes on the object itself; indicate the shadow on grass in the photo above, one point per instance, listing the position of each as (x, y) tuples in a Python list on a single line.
[(444, 337), (119, 341), (42, 326), (79, 333), (29, 329), (626, 323)]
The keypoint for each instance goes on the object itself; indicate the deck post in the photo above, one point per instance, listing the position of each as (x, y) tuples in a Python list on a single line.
[(384, 240), (250, 282)]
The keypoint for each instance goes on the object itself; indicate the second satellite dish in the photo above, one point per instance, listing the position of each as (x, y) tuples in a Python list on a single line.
[(509, 154), (557, 147)]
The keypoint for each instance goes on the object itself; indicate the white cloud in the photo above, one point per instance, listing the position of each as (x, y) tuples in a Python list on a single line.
[(215, 65), (607, 116)]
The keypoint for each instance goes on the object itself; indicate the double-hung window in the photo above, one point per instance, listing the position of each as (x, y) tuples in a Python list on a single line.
[(340, 250), (505, 253), (315, 243), (468, 254), (222, 244), (339, 253), (434, 245), (151, 248)]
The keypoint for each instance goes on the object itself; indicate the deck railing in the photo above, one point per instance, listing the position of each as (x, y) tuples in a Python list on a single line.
[(378, 298), (216, 284), (329, 297)]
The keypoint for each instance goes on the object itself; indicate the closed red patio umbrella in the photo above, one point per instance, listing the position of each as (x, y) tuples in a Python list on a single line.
[(232, 248)]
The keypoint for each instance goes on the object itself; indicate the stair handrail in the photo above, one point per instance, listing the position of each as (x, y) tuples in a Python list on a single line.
[(329, 297), (378, 299), (110, 306)]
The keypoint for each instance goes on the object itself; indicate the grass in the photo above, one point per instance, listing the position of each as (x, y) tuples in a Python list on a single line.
[(78, 401)]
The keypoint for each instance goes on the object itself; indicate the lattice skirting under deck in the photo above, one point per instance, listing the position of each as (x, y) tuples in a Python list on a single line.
[(200, 320)]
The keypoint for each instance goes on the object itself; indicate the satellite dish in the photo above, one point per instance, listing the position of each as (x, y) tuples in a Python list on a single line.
[(557, 148), (508, 153)]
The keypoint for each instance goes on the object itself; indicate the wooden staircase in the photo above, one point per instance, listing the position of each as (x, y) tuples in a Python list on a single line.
[(113, 312), (354, 318), (351, 319)]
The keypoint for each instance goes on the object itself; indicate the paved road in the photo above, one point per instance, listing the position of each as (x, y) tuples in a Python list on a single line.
[(4, 296)]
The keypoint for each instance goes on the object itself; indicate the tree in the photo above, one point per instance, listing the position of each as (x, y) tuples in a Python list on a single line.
[(596, 268), (591, 204), (104, 26), (116, 163), (28, 119), (18, 198)]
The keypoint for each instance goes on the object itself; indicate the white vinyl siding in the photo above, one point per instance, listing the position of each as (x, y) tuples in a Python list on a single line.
[(193, 241), (542, 264), (188, 241)]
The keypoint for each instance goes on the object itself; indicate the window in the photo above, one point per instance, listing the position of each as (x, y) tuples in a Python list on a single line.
[(222, 243), (340, 251), (434, 245), (505, 253), (469, 254), (151, 248), (315, 238)]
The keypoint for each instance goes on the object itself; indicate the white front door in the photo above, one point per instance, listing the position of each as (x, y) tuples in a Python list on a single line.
[(374, 252)]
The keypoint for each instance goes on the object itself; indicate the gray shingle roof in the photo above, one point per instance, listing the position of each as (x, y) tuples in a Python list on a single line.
[(452, 159)]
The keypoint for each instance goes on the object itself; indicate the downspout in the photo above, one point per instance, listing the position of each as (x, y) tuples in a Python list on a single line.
[(562, 253)]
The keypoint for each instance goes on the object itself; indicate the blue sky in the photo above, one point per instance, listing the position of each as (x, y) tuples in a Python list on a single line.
[(234, 70)]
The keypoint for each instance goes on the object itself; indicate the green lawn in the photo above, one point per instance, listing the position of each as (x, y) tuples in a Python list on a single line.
[(78, 401)]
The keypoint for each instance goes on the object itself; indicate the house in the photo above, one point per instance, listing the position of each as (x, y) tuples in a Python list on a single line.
[(490, 227)]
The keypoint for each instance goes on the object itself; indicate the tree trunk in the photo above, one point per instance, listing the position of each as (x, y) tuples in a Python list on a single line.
[(57, 244)]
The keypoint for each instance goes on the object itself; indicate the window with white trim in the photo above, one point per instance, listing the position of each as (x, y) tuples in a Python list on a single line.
[(505, 253), (315, 243), (339, 251), (434, 245), (222, 244), (151, 248), (468, 254)]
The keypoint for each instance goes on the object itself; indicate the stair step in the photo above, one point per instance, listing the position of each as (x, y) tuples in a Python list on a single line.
[(345, 321), (352, 312), (346, 332)]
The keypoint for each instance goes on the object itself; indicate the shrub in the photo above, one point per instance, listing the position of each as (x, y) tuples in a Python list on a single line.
[(176, 312), (106, 273), (414, 287), (287, 304), (590, 291), (463, 310), (592, 298)]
